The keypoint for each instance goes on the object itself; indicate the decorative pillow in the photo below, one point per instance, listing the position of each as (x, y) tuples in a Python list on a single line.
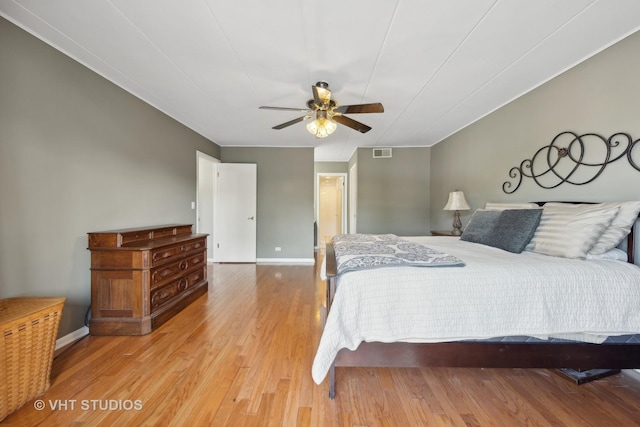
[(613, 254), (515, 228), (495, 206), (619, 229), (480, 226), (509, 229), (570, 230)]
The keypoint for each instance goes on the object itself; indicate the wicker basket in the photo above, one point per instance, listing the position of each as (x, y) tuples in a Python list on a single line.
[(28, 328)]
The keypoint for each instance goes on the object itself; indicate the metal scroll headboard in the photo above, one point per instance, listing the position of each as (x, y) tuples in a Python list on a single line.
[(564, 160)]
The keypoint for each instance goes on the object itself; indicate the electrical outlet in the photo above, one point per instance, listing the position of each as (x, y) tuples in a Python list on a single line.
[(278, 248)]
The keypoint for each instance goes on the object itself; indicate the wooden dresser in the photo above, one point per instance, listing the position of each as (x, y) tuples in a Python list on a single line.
[(141, 277)]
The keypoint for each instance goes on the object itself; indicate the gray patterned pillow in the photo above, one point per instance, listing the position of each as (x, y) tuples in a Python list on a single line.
[(510, 229), (515, 228), (480, 226)]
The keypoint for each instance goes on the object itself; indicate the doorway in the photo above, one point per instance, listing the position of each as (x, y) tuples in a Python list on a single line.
[(205, 197), (331, 206), (353, 198)]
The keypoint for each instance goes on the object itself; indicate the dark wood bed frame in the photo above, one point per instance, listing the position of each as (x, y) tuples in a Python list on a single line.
[(578, 356)]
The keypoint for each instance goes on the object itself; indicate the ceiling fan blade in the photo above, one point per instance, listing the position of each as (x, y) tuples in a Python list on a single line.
[(289, 123), (360, 127), (302, 110), (321, 93), (360, 108)]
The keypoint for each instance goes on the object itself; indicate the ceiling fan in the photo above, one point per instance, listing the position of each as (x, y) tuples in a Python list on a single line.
[(327, 113)]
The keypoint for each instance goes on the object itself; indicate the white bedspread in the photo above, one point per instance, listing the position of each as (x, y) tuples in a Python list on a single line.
[(496, 294)]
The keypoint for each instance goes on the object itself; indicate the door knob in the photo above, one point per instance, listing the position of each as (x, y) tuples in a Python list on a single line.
[(251, 218)]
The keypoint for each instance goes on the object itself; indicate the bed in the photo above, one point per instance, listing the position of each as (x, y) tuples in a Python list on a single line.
[(578, 311)]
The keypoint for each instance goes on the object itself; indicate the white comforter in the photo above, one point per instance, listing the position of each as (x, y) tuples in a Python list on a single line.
[(496, 294)]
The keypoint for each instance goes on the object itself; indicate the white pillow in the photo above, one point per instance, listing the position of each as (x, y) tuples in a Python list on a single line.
[(619, 228), (494, 206), (613, 254), (570, 230)]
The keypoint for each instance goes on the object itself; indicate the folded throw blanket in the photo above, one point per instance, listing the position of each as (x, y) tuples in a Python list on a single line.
[(366, 251)]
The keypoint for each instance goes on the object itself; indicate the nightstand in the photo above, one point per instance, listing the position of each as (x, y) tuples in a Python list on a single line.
[(444, 233)]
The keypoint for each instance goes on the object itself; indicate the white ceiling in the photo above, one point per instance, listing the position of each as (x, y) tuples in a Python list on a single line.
[(435, 65)]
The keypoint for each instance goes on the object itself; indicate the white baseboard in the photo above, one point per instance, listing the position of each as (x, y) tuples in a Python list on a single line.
[(72, 337), (309, 261)]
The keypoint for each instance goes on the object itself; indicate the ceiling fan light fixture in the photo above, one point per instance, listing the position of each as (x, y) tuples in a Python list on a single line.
[(328, 114), (321, 127)]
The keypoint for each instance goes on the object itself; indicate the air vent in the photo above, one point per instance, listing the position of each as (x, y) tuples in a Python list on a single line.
[(381, 153)]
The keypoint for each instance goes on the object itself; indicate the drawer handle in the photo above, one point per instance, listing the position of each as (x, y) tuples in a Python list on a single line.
[(183, 248), (163, 255), (158, 298), (183, 265), (182, 285), (164, 273)]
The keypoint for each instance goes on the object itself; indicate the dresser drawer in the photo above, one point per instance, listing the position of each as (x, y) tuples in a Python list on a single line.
[(135, 236), (160, 233), (168, 292), (179, 250), (166, 272)]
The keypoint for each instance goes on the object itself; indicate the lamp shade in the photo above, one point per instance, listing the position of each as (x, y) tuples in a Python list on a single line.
[(322, 127), (456, 202)]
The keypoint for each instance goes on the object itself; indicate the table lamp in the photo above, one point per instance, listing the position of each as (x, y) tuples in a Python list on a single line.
[(456, 203)]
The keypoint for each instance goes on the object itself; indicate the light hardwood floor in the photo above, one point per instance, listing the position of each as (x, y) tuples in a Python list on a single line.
[(242, 355)]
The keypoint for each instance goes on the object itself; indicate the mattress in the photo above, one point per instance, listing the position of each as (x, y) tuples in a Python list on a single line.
[(497, 295)]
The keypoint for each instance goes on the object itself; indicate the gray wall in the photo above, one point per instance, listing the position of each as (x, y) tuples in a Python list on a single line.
[(330, 167), (285, 198), (393, 193), (78, 154), (601, 95)]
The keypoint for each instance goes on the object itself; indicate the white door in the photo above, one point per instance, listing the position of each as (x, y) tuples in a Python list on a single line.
[(235, 213), (205, 198)]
